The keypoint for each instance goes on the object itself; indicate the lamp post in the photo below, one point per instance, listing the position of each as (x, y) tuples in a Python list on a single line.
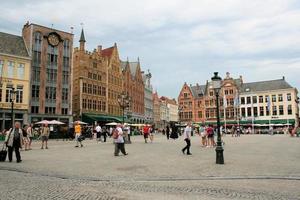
[(216, 83), (124, 102), (12, 99)]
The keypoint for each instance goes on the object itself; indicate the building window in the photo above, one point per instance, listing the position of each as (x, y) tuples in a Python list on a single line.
[(206, 103), (89, 104), (66, 45), (261, 111), (273, 98), (289, 110), (84, 87), (19, 94), (21, 71), (103, 91), (254, 99), (10, 69), (52, 56), (37, 41), (249, 112), (64, 111), (231, 101), (65, 77), (281, 110), (248, 100), (211, 102), (34, 109), (255, 112), (289, 97), (261, 99), (267, 98), (35, 91), (84, 103), (243, 112), (243, 100), (267, 111), (211, 93), (89, 88), (274, 109), (94, 89), (49, 110), (199, 114), (51, 93), (90, 75), (231, 91), (207, 113), (65, 95), (8, 91), (94, 104), (103, 106), (36, 71), (51, 75), (226, 92), (280, 98)]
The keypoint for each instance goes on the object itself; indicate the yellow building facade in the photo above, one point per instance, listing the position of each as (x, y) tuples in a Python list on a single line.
[(14, 75)]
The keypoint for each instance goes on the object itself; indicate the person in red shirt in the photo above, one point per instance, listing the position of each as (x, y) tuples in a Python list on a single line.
[(146, 131)]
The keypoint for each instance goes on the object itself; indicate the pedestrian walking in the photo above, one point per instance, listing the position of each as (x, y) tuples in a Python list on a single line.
[(187, 139), (25, 137), (168, 132), (45, 132), (210, 136), (119, 140), (152, 131), (78, 135), (203, 136), (30, 135), (14, 141), (146, 132), (104, 134), (99, 132)]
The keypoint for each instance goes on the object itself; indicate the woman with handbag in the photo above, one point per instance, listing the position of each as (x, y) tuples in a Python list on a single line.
[(14, 141)]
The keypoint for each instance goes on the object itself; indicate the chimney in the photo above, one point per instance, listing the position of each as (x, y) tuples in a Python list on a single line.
[(283, 78)]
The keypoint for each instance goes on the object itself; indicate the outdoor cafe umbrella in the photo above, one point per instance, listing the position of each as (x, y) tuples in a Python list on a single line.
[(79, 122), (55, 122), (111, 124), (43, 122)]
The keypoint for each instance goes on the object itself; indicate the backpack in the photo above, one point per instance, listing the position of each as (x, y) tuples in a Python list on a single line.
[(115, 134)]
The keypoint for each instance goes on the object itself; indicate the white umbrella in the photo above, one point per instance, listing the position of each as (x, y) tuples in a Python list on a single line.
[(112, 124), (43, 122), (55, 122), (79, 122)]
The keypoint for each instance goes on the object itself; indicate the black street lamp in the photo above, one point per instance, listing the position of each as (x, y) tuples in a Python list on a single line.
[(12, 99), (124, 102), (216, 84)]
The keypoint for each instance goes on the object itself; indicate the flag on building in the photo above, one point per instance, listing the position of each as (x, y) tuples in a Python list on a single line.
[(236, 100), (268, 103), (225, 101)]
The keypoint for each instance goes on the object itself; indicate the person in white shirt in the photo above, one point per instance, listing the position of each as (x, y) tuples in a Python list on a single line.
[(98, 131), (119, 140), (187, 139)]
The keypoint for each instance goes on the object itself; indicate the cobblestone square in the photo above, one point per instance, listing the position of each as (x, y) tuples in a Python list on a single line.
[(256, 167)]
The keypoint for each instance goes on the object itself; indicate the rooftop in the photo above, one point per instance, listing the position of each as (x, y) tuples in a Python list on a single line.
[(12, 45)]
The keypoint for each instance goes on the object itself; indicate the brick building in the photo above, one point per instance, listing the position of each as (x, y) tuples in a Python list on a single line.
[(51, 53), (134, 86), (89, 81)]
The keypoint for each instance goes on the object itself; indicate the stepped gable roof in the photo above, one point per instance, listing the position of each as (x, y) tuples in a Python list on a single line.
[(123, 65), (12, 45), (108, 51), (265, 86), (133, 66), (198, 90)]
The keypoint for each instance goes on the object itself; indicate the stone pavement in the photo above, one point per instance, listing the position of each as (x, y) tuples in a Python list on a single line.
[(256, 167)]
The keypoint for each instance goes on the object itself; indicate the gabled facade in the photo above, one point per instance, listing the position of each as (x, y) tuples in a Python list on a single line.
[(15, 73), (134, 86), (89, 81)]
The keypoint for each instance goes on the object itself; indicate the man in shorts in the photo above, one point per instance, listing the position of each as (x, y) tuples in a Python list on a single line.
[(45, 132)]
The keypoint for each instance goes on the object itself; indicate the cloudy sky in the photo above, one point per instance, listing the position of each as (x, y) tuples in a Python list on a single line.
[(179, 40)]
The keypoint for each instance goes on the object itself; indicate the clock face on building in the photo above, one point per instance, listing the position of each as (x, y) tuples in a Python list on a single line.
[(53, 39)]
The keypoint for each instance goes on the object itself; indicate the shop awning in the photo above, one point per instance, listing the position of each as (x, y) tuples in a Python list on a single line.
[(91, 118)]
